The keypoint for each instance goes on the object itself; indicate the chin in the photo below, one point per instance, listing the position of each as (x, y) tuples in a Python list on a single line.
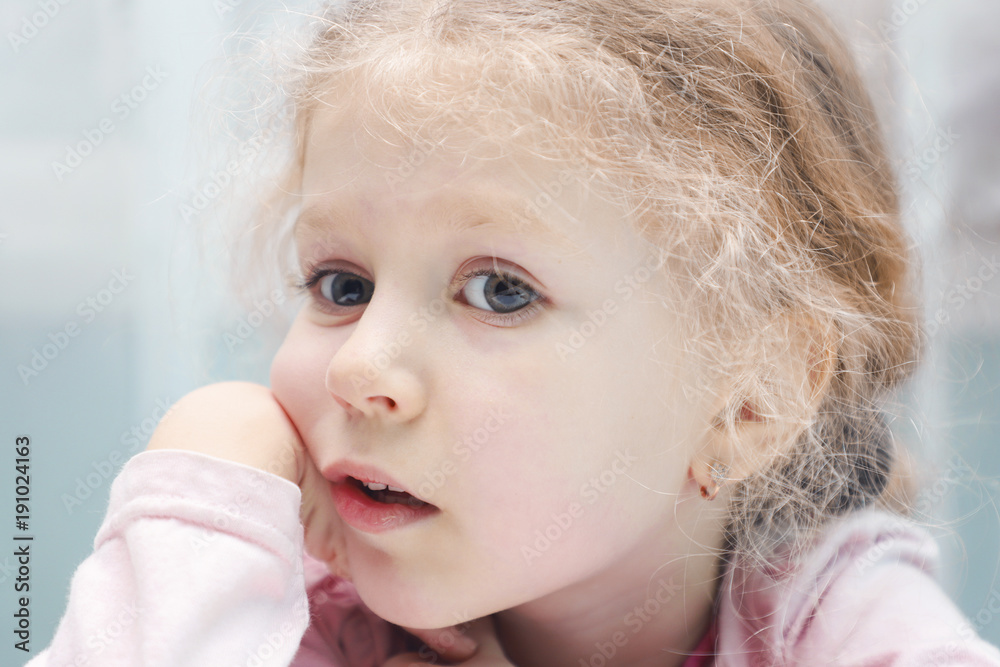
[(417, 607), (429, 615)]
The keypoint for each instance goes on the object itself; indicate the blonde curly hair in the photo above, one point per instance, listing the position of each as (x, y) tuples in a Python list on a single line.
[(742, 137)]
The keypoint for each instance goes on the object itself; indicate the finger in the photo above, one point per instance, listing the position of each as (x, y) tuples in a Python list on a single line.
[(451, 643), (320, 521), (483, 632), (324, 535), (406, 660)]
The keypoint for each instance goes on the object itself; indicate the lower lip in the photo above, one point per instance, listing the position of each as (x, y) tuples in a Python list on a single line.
[(361, 512)]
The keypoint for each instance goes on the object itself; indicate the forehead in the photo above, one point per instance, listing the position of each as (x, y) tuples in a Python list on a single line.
[(350, 173), (485, 209)]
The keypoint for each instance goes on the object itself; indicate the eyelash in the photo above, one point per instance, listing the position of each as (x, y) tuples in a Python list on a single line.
[(315, 274)]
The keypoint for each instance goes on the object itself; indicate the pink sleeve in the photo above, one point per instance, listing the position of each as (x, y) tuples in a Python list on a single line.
[(866, 595), (891, 614), (199, 561), (343, 630)]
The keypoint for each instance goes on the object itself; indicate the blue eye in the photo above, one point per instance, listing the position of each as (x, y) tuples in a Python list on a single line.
[(497, 292), (337, 288), (345, 289)]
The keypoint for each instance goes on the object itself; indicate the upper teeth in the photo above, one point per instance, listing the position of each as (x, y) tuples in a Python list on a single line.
[(375, 486)]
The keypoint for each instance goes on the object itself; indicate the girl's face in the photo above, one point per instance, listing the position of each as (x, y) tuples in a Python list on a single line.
[(537, 406)]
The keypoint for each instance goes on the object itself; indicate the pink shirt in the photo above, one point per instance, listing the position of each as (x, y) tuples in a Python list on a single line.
[(200, 561)]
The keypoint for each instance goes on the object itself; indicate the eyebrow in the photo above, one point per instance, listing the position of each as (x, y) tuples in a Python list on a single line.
[(480, 209)]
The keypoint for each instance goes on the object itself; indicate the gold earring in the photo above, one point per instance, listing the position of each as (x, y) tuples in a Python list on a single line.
[(718, 474)]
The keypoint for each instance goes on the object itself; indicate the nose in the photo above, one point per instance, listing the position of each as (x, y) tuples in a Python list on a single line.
[(372, 373)]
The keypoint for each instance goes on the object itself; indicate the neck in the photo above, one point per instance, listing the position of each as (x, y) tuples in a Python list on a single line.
[(649, 608)]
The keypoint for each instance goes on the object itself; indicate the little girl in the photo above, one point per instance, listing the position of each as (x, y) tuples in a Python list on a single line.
[(602, 299)]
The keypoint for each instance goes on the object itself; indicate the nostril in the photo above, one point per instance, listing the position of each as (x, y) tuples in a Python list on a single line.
[(389, 403)]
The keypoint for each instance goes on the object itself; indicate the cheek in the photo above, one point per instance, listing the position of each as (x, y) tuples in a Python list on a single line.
[(603, 438), (296, 378), (522, 465)]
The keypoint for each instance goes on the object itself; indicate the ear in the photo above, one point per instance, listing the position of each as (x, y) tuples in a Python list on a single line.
[(762, 413)]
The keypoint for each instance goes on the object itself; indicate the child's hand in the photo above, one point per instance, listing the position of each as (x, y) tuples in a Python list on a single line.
[(475, 645), (243, 422)]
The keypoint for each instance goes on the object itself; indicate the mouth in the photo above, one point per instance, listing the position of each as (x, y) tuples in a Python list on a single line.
[(383, 493), (370, 501)]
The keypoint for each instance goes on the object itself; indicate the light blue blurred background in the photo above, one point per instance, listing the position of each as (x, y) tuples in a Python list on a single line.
[(931, 63)]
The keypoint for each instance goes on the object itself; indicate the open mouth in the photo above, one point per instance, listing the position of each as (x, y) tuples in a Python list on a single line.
[(376, 507), (369, 500), (388, 495)]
